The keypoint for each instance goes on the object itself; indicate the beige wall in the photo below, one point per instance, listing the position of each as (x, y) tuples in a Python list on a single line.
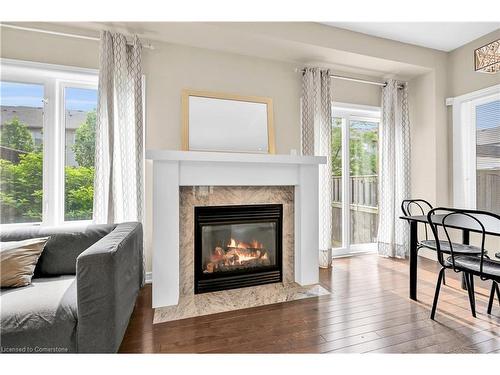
[(422, 135), (462, 78), (170, 68), (356, 93)]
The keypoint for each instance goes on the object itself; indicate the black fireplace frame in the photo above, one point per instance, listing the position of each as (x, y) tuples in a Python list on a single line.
[(237, 214)]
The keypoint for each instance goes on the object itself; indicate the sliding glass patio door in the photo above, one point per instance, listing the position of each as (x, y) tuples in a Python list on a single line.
[(355, 134)]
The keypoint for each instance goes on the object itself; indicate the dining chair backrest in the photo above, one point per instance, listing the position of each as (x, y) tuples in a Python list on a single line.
[(412, 207), (451, 218)]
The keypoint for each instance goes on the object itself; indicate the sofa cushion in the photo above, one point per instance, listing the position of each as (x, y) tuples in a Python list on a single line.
[(64, 246), (41, 317), (18, 260)]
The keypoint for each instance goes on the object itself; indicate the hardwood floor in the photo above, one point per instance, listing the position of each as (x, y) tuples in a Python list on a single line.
[(368, 311)]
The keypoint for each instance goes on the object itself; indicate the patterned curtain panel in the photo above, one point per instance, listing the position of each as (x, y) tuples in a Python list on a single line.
[(316, 140), (394, 173), (118, 184)]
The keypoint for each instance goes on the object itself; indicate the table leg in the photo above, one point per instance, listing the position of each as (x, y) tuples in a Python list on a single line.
[(465, 241), (413, 260)]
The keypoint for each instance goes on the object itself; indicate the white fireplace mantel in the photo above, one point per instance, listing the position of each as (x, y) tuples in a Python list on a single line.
[(172, 169)]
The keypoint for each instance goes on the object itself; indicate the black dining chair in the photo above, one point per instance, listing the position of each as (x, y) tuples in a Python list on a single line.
[(461, 257), (413, 207)]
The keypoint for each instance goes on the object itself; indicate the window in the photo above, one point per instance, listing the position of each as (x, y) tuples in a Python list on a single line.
[(476, 149), (21, 157), (47, 136), (488, 156), (355, 132), (79, 124)]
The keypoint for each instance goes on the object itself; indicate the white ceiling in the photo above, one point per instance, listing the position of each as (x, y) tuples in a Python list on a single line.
[(444, 36)]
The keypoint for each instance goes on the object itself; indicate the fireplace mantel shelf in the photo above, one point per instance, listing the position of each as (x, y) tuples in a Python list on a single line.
[(173, 169), (193, 156)]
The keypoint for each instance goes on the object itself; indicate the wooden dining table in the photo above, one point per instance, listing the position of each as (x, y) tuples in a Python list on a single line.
[(491, 226)]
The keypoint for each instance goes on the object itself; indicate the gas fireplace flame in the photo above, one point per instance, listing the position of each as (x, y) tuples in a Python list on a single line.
[(243, 245), (237, 254)]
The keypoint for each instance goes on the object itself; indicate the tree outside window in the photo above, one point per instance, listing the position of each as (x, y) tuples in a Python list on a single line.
[(21, 172)]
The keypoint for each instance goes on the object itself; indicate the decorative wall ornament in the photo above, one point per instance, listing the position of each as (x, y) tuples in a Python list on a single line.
[(487, 58)]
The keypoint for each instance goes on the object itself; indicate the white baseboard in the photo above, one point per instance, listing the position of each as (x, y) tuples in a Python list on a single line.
[(148, 278), (352, 254)]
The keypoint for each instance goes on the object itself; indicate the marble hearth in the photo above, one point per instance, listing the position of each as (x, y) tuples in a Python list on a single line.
[(235, 299), (183, 180)]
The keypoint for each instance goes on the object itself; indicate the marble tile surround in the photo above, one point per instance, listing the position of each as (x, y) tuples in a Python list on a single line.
[(191, 196), (190, 304)]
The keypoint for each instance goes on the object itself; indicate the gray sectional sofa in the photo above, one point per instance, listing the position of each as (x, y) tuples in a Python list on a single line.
[(83, 292)]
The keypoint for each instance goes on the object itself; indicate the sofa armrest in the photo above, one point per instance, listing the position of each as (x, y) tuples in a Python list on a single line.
[(109, 276)]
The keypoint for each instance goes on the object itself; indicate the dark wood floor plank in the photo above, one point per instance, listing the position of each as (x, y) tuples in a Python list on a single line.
[(367, 311)]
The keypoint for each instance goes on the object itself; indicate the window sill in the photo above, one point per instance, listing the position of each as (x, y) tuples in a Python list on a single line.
[(64, 224)]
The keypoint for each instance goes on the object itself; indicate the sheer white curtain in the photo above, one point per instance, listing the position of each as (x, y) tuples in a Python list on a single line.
[(118, 184), (316, 140), (394, 171)]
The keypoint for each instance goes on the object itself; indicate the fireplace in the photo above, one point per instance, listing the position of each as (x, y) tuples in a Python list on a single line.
[(237, 246)]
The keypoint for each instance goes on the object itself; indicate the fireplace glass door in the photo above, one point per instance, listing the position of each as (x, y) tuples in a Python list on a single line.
[(237, 246)]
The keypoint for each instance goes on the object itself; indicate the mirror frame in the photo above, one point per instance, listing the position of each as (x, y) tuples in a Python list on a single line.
[(217, 95)]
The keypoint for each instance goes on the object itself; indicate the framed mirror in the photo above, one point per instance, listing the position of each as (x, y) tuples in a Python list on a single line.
[(226, 123)]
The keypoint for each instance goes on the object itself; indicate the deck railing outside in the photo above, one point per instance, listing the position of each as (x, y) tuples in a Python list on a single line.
[(363, 208), (364, 190)]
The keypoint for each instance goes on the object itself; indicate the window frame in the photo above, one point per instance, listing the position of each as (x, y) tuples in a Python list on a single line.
[(464, 143), (54, 78), (348, 112)]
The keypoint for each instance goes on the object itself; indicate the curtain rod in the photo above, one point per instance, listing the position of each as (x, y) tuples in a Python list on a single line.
[(345, 78), (78, 36)]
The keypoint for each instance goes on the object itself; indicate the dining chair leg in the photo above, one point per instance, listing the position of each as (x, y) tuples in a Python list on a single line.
[(444, 278), (471, 277), (464, 282), (436, 294), (470, 290), (492, 297)]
